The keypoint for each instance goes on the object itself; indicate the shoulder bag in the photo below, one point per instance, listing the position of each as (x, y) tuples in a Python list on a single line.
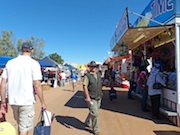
[(41, 128), (157, 85)]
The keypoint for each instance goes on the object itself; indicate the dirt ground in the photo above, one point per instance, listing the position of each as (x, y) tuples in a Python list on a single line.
[(117, 117)]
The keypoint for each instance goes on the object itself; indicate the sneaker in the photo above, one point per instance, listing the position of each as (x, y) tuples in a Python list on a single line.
[(96, 133)]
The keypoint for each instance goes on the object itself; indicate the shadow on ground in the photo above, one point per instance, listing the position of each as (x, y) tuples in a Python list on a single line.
[(167, 133), (68, 90), (71, 122), (77, 101), (120, 105), (126, 106)]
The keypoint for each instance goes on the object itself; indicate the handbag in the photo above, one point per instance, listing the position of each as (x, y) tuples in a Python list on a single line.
[(157, 85), (40, 128)]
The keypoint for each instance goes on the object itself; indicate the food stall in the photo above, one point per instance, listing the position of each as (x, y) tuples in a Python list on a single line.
[(156, 35), (121, 65)]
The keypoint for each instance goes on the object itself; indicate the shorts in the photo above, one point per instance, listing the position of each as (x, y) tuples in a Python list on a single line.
[(74, 81), (24, 115)]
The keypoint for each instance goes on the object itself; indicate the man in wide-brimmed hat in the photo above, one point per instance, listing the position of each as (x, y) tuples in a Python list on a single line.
[(92, 87)]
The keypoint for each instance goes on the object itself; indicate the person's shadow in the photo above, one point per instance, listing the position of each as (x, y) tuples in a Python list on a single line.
[(70, 122)]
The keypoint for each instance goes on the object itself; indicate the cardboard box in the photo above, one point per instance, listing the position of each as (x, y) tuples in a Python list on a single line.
[(45, 87)]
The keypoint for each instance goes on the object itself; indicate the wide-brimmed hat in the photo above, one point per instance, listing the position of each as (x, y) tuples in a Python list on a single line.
[(92, 64)]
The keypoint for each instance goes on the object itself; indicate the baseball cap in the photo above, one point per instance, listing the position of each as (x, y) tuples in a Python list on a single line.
[(27, 45)]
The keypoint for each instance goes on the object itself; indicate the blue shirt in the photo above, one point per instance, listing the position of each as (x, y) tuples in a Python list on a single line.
[(74, 76)]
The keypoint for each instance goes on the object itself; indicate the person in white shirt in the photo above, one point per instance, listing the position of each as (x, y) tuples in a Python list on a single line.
[(19, 76), (155, 94), (63, 78)]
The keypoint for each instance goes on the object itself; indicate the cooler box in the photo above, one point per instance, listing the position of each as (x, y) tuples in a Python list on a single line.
[(45, 87), (125, 84), (6, 128)]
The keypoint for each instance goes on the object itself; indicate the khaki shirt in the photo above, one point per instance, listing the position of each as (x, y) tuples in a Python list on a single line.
[(86, 79)]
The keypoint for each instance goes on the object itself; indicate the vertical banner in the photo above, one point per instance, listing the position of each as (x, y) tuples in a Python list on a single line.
[(121, 28)]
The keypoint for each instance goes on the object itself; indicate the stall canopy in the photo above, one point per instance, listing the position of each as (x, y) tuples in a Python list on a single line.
[(118, 58), (144, 29), (70, 67), (48, 62), (43, 64), (4, 60), (115, 58), (133, 37)]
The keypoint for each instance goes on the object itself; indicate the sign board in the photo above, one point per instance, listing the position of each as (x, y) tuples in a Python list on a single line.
[(122, 26), (161, 11), (113, 41), (178, 8)]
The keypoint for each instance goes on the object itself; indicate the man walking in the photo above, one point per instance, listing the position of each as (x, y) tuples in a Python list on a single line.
[(92, 87), (74, 79), (63, 78), (20, 75)]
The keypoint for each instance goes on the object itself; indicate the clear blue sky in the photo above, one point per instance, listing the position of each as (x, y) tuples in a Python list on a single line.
[(78, 30)]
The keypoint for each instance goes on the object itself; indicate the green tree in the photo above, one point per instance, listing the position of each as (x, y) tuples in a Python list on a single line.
[(56, 58), (8, 44), (38, 45)]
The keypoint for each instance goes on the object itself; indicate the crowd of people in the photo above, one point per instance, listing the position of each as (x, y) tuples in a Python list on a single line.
[(61, 77), (28, 76), (142, 81)]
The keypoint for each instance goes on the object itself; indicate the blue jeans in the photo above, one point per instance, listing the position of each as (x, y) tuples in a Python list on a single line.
[(92, 118), (63, 81), (144, 99), (137, 87), (132, 88)]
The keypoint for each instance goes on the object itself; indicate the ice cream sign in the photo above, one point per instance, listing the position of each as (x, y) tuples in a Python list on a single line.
[(159, 10)]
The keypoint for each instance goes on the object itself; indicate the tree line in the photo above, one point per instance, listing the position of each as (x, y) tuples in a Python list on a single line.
[(10, 46)]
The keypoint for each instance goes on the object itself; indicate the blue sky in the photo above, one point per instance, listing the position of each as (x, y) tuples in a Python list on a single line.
[(78, 30)]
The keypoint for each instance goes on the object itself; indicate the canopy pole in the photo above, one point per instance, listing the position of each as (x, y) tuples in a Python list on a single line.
[(177, 49)]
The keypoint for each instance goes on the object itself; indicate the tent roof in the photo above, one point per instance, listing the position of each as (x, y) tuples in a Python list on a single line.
[(4, 60), (70, 66), (47, 61), (45, 64)]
